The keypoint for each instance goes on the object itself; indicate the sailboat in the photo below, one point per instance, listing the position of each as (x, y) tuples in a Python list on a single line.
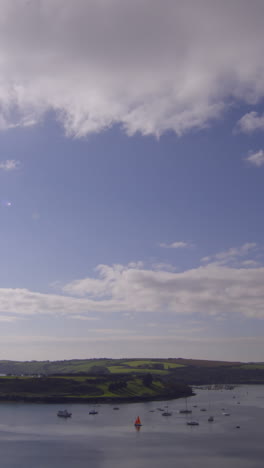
[(166, 413), (138, 422), (186, 410), (211, 418)]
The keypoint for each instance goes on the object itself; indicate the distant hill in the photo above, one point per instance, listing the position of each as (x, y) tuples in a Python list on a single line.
[(189, 371), (77, 366)]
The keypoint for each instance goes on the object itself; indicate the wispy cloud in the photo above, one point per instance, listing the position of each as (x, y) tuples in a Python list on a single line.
[(173, 74), (9, 165), (256, 159), (227, 256), (175, 245)]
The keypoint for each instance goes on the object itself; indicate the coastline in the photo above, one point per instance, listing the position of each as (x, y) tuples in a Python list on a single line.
[(92, 400)]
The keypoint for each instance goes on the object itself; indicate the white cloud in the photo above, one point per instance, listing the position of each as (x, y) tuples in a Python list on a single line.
[(256, 159), (163, 266), (175, 245), (218, 288), (250, 263), (251, 122), (9, 165), (147, 65), (214, 289), (231, 254)]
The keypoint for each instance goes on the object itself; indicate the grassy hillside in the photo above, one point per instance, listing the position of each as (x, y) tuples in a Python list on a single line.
[(118, 379), (98, 366), (89, 388)]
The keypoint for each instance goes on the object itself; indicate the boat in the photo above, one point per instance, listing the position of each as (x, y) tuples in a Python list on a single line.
[(93, 411), (226, 414), (186, 410), (116, 408), (192, 423), (138, 422), (211, 419), (64, 414), (166, 413), (203, 409)]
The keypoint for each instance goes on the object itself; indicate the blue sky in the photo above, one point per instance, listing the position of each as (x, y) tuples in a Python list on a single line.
[(131, 180)]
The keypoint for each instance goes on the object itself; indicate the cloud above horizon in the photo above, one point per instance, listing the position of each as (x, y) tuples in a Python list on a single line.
[(148, 66), (215, 289)]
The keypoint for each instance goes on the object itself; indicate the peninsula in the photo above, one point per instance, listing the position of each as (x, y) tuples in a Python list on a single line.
[(122, 380)]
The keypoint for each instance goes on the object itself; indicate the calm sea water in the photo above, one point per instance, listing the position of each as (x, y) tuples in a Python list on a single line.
[(31, 435)]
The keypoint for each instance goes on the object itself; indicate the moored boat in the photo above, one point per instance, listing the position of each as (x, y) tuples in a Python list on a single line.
[(138, 422), (64, 414)]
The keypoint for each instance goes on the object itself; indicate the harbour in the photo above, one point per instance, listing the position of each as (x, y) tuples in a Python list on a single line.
[(32, 434)]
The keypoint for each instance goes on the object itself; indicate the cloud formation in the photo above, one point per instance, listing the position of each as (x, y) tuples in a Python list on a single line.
[(232, 254), (216, 289), (251, 122), (256, 159), (148, 65), (175, 245), (9, 165), (213, 289)]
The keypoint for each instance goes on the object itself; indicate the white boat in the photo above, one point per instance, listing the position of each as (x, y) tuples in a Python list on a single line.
[(93, 411), (64, 414), (226, 414)]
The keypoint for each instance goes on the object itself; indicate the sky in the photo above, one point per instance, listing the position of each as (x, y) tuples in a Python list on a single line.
[(131, 179)]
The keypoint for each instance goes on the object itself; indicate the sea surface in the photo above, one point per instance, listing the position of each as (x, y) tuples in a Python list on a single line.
[(31, 435)]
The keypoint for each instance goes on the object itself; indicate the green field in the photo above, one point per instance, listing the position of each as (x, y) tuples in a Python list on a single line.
[(89, 366), (250, 366), (86, 388), (130, 370), (148, 362)]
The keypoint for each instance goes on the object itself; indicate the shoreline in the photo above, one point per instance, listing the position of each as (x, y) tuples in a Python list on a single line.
[(95, 400)]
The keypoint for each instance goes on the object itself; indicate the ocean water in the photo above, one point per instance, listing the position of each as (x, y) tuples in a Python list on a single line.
[(31, 435)]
